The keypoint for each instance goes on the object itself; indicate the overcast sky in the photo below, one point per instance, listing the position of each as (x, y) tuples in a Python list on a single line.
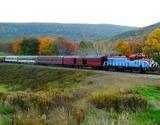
[(122, 12)]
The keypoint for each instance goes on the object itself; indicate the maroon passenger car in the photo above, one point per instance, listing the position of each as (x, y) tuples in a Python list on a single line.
[(95, 62), (77, 61), (50, 60), (70, 60)]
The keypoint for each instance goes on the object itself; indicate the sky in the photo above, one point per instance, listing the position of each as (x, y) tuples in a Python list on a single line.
[(121, 12)]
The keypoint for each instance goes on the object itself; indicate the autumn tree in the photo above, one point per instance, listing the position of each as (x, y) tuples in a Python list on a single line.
[(29, 46), (16, 46), (64, 47), (135, 45), (123, 48), (46, 46), (152, 45), (155, 34)]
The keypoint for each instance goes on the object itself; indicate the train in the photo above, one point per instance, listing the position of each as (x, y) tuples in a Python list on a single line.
[(135, 62)]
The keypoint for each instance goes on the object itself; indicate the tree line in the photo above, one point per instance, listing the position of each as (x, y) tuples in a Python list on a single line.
[(150, 45), (43, 46)]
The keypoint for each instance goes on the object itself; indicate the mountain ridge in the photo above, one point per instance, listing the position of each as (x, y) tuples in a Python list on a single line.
[(71, 31), (139, 33)]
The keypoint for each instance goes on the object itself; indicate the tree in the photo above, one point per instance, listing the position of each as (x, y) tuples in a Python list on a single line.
[(46, 46), (64, 47), (123, 48), (6, 47), (155, 34), (152, 48), (29, 46), (152, 45), (86, 48), (84, 45), (16, 46), (135, 46)]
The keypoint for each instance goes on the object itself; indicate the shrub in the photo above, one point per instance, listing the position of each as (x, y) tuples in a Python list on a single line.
[(6, 109), (118, 102)]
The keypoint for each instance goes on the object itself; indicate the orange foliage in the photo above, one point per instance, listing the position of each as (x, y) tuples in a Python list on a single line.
[(46, 46), (16, 46), (72, 46), (64, 46)]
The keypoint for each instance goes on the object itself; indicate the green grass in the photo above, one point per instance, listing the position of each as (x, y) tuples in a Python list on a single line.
[(150, 92), (4, 120), (148, 117), (33, 78), (3, 88), (4, 54)]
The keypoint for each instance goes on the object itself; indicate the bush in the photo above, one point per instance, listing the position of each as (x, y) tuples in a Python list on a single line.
[(118, 102), (6, 109)]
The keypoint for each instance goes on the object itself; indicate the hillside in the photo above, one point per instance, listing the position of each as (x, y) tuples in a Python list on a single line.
[(36, 95), (75, 32), (138, 33)]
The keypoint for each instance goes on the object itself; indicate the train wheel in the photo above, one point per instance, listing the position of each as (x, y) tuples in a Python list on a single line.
[(131, 70), (142, 71), (106, 68)]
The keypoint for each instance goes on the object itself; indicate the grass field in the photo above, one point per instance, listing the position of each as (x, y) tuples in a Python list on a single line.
[(45, 96)]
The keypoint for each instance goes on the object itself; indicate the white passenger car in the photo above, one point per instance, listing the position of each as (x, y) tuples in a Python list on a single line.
[(13, 59), (27, 59)]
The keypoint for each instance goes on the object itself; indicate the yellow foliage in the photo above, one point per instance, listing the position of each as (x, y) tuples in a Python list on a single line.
[(152, 44), (151, 47), (123, 47), (46, 46), (155, 34)]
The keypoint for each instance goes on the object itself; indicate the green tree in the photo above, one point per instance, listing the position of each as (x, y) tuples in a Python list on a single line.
[(29, 46)]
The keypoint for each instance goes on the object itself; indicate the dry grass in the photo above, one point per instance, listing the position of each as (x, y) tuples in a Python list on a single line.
[(118, 82)]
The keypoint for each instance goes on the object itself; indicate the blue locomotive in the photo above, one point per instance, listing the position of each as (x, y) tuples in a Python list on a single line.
[(124, 63)]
